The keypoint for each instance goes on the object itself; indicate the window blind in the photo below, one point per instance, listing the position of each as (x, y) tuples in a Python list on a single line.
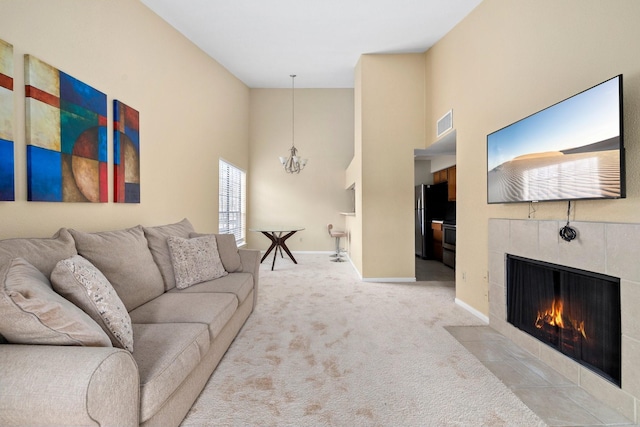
[(232, 203)]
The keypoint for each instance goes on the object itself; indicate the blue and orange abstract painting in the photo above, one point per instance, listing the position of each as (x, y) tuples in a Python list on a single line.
[(7, 175), (126, 153), (66, 135)]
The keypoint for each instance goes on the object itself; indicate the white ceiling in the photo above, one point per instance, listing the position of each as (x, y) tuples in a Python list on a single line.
[(262, 42)]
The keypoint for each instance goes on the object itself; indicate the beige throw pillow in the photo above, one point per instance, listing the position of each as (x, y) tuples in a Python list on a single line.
[(195, 260), (32, 313), (83, 284)]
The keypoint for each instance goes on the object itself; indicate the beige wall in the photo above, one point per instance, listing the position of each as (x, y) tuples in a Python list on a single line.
[(192, 111), (507, 60), (390, 118), (504, 61), (314, 197), (353, 177), (422, 173)]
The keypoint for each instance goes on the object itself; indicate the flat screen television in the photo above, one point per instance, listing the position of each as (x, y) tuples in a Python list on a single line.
[(571, 150)]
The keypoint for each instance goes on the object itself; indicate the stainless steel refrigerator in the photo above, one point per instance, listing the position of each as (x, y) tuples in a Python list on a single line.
[(430, 204)]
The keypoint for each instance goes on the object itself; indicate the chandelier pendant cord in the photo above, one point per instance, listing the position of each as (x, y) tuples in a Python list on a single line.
[(293, 163), (293, 110)]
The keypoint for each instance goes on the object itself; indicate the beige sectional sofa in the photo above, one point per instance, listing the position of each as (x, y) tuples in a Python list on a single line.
[(117, 328)]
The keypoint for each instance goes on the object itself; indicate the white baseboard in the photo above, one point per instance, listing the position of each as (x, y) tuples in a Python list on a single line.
[(262, 251), (368, 279), (313, 252), (472, 310), (389, 279)]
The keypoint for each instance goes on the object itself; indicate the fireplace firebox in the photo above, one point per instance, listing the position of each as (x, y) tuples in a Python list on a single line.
[(574, 311)]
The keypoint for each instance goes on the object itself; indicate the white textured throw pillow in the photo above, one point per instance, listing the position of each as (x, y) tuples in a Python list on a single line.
[(195, 260), (83, 284)]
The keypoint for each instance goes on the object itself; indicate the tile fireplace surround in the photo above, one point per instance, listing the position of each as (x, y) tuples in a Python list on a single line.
[(607, 248)]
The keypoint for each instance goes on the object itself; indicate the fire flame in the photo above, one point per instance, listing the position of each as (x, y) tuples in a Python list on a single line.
[(554, 316)]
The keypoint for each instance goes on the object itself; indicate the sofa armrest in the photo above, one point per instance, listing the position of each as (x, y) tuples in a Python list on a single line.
[(250, 259), (66, 385)]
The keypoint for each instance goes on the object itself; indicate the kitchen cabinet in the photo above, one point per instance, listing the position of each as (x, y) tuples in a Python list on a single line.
[(440, 176), (447, 175), (436, 227), (451, 175)]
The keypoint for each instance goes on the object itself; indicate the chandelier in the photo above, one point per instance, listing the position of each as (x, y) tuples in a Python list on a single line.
[(293, 163)]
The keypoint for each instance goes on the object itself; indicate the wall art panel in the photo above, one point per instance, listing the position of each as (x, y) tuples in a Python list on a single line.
[(7, 169), (126, 153), (66, 135)]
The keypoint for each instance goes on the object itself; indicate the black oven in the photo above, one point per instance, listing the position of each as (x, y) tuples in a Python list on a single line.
[(449, 236), (449, 245)]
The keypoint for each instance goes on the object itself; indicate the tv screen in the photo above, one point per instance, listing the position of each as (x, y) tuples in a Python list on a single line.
[(571, 150)]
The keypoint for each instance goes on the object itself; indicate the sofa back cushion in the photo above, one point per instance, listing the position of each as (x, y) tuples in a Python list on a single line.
[(124, 258), (157, 238), (42, 253)]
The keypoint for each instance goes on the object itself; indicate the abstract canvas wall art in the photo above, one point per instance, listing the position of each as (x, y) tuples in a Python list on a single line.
[(7, 175), (126, 153), (66, 135)]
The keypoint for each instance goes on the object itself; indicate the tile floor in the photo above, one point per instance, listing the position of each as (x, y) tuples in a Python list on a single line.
[(556, 400), (430, 270)]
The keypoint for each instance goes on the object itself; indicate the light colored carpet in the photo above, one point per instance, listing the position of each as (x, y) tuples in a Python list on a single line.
[(323, 348)]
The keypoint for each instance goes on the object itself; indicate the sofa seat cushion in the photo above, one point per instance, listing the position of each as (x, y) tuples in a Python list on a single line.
[(166, 353), (211, 309), (239, 284)]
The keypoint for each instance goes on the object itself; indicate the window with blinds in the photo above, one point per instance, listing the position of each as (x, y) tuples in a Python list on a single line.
[(232, 215)]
